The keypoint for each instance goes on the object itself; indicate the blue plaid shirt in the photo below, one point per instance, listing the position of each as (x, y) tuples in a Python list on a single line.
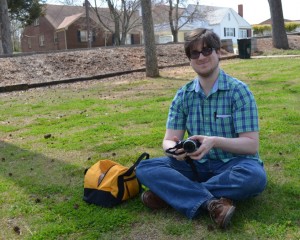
[(229, 109)]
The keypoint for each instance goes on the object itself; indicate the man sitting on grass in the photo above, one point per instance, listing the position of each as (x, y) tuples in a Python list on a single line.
[(219, 112)]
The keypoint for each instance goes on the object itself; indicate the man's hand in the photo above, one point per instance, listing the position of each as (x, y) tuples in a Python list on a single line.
[(179, 153), (246, 143), (207, 143)]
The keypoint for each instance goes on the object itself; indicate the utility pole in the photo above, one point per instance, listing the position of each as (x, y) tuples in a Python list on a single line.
[(89, 39)]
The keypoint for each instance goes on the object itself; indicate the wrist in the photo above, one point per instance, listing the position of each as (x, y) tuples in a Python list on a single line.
[(214, 141)]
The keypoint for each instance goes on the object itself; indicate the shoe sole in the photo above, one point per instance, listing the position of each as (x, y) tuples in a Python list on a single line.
[(227, 218)]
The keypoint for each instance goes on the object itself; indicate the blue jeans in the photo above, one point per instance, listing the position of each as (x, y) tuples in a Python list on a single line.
[(173, 181)]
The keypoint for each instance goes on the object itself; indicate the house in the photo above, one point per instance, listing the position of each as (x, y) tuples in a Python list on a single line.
[(226, 22), (65, 27)]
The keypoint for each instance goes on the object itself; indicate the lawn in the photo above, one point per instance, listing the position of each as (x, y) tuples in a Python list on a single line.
[(48, 136)]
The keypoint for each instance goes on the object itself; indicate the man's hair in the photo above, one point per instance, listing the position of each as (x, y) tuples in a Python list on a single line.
[(203, 36)]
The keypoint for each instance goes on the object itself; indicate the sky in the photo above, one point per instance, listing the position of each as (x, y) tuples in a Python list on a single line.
[(255, 11)]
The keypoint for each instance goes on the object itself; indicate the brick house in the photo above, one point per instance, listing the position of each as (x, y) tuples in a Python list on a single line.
[(65, 27)]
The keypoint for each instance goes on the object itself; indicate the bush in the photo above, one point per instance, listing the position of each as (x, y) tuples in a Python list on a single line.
[(291, 26), (260, 29)]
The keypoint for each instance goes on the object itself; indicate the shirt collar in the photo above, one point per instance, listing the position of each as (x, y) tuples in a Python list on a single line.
[(220, 84)]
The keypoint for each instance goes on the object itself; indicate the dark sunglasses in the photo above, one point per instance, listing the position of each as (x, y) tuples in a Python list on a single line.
[(206, 51)]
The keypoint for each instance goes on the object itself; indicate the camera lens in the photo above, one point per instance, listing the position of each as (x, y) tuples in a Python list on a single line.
[(190, 146)]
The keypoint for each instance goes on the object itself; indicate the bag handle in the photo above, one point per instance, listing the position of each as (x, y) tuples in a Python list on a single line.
[(132, 168), (128, 173)]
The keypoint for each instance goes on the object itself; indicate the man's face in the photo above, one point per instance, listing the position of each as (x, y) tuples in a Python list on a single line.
[(204, 60)]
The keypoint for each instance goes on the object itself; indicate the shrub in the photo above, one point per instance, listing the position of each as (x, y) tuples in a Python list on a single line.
[(260, 29), (291, 26)]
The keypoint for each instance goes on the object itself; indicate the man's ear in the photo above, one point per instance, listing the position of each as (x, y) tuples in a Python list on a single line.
[(218, 52)]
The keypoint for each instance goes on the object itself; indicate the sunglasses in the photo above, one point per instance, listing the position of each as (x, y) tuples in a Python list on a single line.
[(206, 51)]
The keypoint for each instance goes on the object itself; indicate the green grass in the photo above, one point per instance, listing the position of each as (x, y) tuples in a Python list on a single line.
[(281, 52), (41, 179)]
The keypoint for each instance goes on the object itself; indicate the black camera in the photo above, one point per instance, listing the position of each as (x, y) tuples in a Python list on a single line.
[(188, 146)]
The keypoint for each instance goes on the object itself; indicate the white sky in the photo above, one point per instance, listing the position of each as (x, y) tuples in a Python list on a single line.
[(255, 11)]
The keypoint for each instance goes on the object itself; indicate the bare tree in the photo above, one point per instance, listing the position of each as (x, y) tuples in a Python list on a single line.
[(178, 14), (122, 18), (279, 36), (5, 28), (149, 39)]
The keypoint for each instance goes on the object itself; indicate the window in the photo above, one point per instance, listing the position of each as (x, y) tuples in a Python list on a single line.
[(228, 16), (36, 22), (83, 36), (55, 38), (229, 32), (243, 33), (29, 42), (42, 40)]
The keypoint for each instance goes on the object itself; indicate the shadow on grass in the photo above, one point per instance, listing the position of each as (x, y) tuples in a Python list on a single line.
[(41, 198)]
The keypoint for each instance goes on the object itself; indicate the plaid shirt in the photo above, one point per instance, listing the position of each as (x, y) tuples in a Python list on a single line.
[(228, 110)]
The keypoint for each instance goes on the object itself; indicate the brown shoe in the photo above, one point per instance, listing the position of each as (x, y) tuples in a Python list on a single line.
[(152, 201), (221, 211)]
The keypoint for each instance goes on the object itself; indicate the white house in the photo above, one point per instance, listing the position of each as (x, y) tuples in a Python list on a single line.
[(226, 22)]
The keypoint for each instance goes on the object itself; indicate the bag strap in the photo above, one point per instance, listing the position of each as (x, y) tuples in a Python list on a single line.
[(132, 168), (128, 173)]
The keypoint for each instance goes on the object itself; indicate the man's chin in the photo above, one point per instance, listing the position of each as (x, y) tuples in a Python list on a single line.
[(205, 74)]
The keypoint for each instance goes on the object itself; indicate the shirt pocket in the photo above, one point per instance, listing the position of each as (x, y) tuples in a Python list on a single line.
[(224, 126)]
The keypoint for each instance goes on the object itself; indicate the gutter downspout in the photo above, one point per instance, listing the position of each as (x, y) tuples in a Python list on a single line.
[(66, 39)]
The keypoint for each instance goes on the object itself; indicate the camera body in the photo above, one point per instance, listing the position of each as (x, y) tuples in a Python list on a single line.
[(188, 145)]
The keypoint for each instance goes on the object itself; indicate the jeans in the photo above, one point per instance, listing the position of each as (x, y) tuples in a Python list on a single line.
[(173, 181)]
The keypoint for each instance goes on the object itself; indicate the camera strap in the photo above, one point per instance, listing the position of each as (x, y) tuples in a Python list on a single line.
[(193, 167), (188, 159)]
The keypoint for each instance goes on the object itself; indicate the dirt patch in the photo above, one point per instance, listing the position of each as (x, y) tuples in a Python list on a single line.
[(265, 44), (73, 64), (41, 68)]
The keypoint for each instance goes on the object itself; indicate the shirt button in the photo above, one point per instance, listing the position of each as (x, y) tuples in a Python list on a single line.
[(207, 133), (206, 118)]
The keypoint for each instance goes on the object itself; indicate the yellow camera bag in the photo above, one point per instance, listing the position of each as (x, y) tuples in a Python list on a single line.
[(108, 183)]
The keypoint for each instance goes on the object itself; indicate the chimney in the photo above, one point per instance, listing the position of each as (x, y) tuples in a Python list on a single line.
[(240, 10)]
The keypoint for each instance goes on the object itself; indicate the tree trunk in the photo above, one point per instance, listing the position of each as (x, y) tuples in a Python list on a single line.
[(116, 17), (5, 28), (279, 36), (149, 39), (175, 35)]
